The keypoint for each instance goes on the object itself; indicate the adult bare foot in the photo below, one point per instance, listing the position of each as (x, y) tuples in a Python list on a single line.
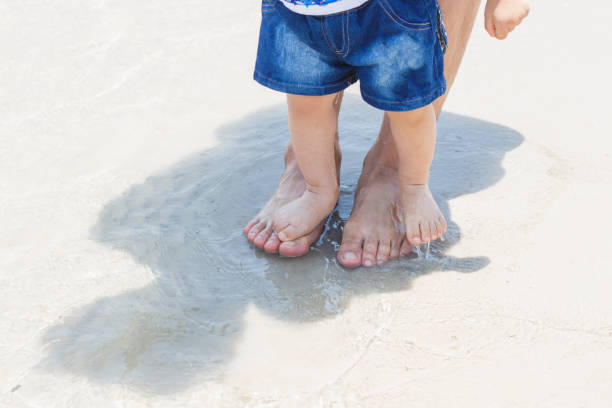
[(459, 17), (375, 233), (290, 187)]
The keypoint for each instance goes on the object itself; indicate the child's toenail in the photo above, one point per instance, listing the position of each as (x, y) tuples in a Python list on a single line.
[(282, 236), (380, 262), (367, 262), (290, 243)]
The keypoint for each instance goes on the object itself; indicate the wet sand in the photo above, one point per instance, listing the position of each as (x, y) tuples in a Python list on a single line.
[(135, 146)]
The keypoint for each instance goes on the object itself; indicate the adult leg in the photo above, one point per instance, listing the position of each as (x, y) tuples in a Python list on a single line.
[(375, 230)]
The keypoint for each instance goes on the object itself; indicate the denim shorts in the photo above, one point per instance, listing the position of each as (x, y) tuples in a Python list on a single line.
[(395, 48)]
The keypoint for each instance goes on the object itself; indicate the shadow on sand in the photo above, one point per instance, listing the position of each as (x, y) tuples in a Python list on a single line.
[(185, 226)]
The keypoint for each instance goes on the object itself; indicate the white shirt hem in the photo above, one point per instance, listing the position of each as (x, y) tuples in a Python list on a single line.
[(331, 8)]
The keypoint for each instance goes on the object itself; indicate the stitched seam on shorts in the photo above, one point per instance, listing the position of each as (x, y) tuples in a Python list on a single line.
[(327, 41), (404, 101), (333, 84), (348, 35), (410, 23), (403, 23), (269, 6), (341, 51)]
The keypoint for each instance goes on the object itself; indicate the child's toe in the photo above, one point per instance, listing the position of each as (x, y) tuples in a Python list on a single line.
[(250, 225), (425, 231), (261, 238), (442, 223), (255, 229), (434, 231), (413, 232), (290, 233), (272, 243)]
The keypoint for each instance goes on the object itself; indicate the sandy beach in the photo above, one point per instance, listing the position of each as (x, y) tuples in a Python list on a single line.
[(135, 146)]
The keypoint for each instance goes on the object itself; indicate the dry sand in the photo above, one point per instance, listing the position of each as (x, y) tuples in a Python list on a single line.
[(134, 146)]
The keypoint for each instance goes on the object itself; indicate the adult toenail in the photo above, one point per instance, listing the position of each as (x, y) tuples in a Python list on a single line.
[(367, 262), (380, 262), (282, 236), (290, 243), (349, 256)]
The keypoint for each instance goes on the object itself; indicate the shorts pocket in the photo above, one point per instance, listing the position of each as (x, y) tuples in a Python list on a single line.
[(408, 14), (268, 6)]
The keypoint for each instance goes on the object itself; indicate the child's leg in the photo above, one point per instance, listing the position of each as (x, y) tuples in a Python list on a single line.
[(414, 133), (313, 122)]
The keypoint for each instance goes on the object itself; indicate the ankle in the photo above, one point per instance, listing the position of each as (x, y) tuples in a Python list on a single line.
[(413, 179), (289, 155), (328, 193), (327, 189)]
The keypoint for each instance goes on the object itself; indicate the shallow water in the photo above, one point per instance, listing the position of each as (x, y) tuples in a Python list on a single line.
[(121, 290), (185, 224)]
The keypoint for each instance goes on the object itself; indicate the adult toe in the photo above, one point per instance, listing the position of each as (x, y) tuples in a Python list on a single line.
[(349, 253), (395, 249), (382, 254), (370, 248)]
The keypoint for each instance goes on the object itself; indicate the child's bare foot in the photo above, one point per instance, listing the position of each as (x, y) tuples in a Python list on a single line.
[(423, 219), (414, 133), (290, 187), (313, 127), (302, 215)]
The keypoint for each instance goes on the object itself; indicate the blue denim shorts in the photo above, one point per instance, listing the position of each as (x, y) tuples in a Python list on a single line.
[(395, 48)]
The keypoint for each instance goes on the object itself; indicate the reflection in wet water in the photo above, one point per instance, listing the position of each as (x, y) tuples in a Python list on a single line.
[(185, 226)]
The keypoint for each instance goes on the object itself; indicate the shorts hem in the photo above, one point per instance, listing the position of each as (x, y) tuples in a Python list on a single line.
[(406, 105), (299, 89)]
